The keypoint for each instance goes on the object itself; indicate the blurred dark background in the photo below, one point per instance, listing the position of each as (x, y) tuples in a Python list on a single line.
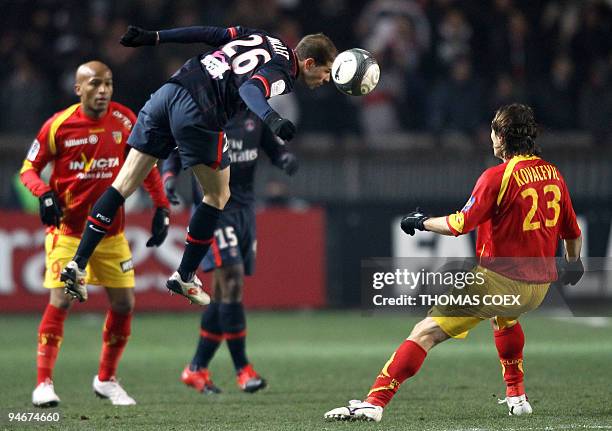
[(446, 65)]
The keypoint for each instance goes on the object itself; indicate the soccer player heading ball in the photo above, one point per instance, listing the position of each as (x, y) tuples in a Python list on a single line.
[(189, 112), (522, 208), (87, 145)]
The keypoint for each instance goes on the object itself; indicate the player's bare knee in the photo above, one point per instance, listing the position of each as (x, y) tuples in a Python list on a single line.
[(427, 334), (125, 186), (133, 172), (123, 306), (59, 299), (231, 285), (121, 301), (232, 292), (217, 199)]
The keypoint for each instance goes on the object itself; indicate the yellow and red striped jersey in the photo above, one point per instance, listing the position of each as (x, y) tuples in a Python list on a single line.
[(522, 208), (86, 154)]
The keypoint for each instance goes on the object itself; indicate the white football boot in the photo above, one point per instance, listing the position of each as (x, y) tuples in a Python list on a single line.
[(191, 290), (517, 406), (44, 395), (75, 281), (113, 391), (356, 411)]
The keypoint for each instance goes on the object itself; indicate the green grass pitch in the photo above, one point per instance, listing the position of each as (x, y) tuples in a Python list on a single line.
[(315, 361)]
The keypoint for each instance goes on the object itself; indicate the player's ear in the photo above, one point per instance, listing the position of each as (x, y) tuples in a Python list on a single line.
[(309, 63), (77, 89)]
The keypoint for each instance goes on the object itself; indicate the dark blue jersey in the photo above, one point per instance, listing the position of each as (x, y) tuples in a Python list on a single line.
[(246, 135), (240, 56)]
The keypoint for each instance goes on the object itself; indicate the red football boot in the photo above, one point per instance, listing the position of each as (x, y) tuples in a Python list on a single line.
[(199, 380), (248, 380)]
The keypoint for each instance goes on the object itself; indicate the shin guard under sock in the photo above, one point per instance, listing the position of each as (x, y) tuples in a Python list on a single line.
[(200, 236), (404, 363), (233, 324), (211, 336), (509, 343)]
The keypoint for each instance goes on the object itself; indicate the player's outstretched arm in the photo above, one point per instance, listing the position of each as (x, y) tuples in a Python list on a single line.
[(437, 225), (416, 220), (214, 36)]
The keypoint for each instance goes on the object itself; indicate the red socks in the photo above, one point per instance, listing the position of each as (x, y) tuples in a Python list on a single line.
[(50, 334), (404, 363), (114, 338), (509, 343)]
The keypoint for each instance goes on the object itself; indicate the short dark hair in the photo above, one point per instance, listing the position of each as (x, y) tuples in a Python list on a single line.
[(318, 47), (517, 127)]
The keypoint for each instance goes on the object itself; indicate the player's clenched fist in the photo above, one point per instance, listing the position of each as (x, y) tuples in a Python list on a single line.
[(288, 162), (159, 227), (571, 272), (412, 221), (136, 36), (50, 211), (280, 126)]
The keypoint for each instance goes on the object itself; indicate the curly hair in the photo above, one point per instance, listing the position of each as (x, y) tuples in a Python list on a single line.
[(515, 124)]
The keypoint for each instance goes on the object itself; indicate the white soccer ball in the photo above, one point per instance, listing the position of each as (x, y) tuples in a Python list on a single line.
[(355, 72)]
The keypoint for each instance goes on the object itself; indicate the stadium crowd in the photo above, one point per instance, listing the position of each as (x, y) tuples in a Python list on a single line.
[(446, 64)]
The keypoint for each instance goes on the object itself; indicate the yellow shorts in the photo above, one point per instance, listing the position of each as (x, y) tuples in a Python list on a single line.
[(110, 264), (457, 320)]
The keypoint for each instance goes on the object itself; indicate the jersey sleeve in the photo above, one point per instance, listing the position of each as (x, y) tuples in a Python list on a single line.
[(270, 80), (253, 95), (130, 114), (213, 36), (479, 207), (37, 158), (274, 77), (153, 185), (568, 229)]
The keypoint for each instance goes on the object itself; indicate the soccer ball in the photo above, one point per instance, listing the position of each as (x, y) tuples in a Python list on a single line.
[(355, 72)]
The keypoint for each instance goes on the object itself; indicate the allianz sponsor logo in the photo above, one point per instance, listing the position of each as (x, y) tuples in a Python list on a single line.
[(94, 164), (74, 142)]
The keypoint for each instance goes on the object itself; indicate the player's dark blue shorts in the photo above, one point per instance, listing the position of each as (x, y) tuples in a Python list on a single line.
[(235, 241), (171, 118)]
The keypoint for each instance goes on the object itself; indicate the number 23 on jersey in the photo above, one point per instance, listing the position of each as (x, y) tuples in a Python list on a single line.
[(551, 197)]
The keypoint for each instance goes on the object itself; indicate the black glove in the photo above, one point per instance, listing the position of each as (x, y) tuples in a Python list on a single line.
[(570, 272), (136, 36), (159, 227), (412, 221), (170, 188), (50, 211), (288, 163), (280, 126)]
